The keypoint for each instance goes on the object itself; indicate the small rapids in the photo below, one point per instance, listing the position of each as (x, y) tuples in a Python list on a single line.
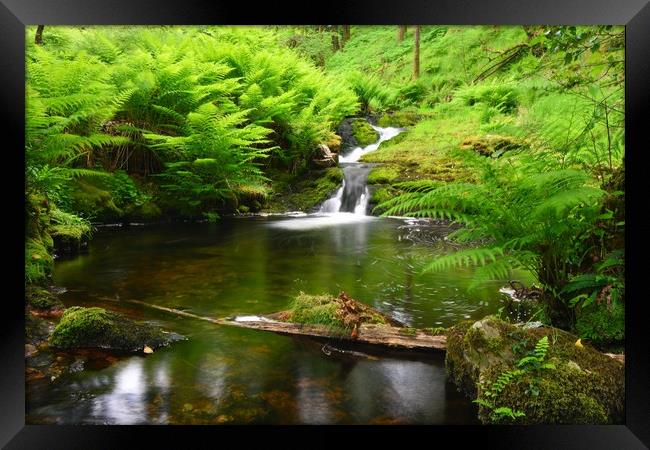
[(353, 196)]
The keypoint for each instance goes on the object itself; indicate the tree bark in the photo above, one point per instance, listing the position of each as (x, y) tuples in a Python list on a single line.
[(346, 34), (416, 53), (38, 40), (335, 39), (401, 31)]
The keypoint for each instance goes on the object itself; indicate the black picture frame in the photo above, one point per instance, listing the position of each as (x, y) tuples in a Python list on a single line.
[(634, 14)]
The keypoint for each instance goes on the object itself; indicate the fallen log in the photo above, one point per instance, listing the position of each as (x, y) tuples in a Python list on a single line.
[(375, 334)]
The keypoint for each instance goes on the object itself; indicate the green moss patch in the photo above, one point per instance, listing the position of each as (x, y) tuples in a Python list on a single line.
[(384, 174), (41, 299), (304, 193), (491, 145), (92, 201), (363, 132), (399, 119), (95, 327), (339, 313), (575, 384), (38, 261)]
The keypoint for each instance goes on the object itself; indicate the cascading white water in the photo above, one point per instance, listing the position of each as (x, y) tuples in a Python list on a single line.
[(353, 195)]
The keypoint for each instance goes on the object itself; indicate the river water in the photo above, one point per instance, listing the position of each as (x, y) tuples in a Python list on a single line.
[(255, 265)]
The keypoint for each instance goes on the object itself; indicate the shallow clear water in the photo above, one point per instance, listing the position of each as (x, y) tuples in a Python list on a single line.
[(255, 265)]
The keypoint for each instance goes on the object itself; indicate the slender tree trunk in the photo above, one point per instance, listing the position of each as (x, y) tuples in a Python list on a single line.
[(335, 39), (401, 31), (38, 40), (346, 34), (416, 58)]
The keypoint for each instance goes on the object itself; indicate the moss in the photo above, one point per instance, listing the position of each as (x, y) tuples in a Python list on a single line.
[(146, 212), (306, 192), (399, 119), (435, 331), (38, 261), (95, 327), (363, 132), (333, 142), (566, 396), (408, 331), (491, 145), (42, 299), (332, 311), (584, 387), (384, 174), (316, 310), (90, 200)]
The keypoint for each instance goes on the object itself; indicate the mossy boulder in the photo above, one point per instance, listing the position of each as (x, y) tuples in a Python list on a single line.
[(363, 132), (146, 212), (491, 144), (38, 242), (305, 192), (38, 260), (576, 384), (42, 300), (399, 119), (91, 200), (385, 174), (98, 328), (69, 233)]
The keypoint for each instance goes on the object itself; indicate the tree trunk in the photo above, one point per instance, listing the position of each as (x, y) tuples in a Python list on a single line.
[(346, 34), (416, 58), (38, 40), (335, 39), (401, 31)]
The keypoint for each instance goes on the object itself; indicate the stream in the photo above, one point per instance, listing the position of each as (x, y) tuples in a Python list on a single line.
[(255, 265)]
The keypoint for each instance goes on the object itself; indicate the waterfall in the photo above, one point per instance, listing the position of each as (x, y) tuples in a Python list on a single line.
[(353, 195)]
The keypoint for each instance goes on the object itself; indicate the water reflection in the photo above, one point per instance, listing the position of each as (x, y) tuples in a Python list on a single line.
[(124, 404), (255, 266)]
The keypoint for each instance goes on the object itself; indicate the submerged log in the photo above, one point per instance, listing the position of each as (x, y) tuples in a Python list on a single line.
[(375, 334)]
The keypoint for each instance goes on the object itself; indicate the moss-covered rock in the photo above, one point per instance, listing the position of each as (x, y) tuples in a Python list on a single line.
[(93, 201), (385, 174), (146, 212), (306, 192), (69, 232), (43, 300), (491, 144), (399, 119), (38, 261), (95, 327), (577, 384), (363, 132), (38, 242)]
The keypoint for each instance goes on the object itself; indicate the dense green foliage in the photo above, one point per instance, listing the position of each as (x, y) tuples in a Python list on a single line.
[(206, 109)]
